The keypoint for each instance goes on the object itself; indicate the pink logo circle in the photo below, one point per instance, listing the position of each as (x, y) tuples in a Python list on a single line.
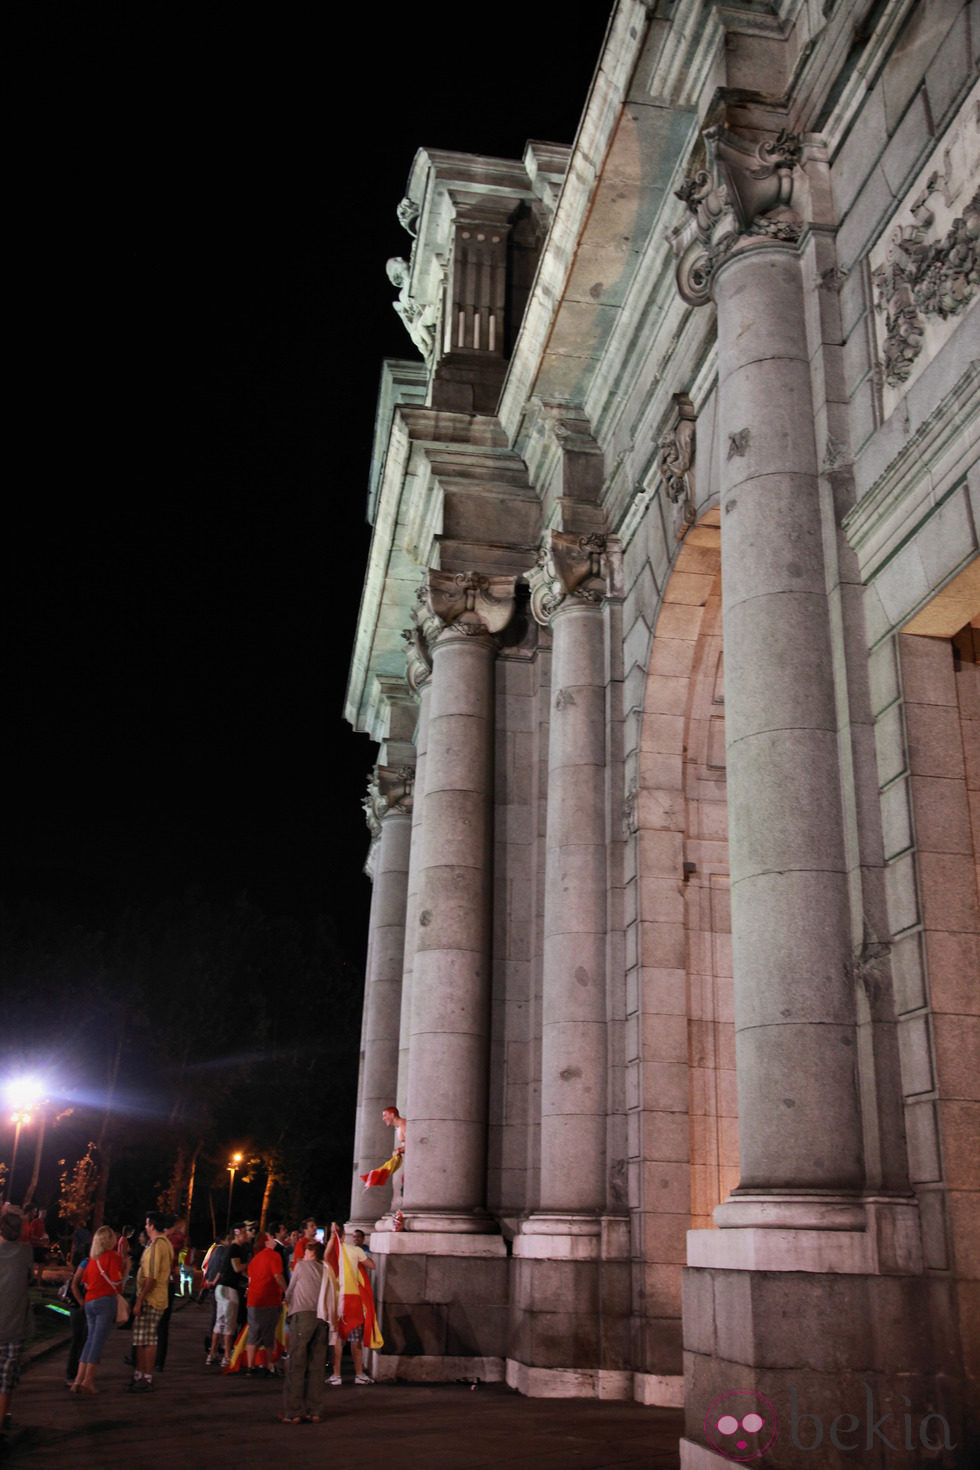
[(741, 1424)]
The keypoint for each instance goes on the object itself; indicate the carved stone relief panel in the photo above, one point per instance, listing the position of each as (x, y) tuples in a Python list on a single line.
[(925, 270)]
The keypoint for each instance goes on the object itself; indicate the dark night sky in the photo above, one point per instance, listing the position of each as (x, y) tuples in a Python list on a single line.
[(205, 205)]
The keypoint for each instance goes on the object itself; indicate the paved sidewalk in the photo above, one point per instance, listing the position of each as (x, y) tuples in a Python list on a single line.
[(197, 1418)]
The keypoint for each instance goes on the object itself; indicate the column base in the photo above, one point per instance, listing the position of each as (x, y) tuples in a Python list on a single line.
[(440, 1222), (571, 1305), (851, 1362), (877, 1235), (442, 1299), (572, 1237), (436, 1243), (569, 1383), (423, 1368), (696, 1457)]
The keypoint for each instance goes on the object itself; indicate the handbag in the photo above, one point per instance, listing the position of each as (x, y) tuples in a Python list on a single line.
[(122, 1305)]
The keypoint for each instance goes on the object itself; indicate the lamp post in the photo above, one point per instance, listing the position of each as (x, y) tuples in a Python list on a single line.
[(23, 1096), (232, 1166), (18, 1119)]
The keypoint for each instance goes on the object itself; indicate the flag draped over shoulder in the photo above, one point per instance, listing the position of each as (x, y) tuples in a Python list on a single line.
[(353, 1300), (383, 1173), (239, 1362)]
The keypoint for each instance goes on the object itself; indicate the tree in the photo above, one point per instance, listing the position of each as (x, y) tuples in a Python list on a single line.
[(78, 1188)]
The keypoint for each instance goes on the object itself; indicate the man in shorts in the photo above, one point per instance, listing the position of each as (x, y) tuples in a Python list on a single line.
[(266, 1285), (225, 1316), (16, 1270), (347, 1324), (151, 1302)]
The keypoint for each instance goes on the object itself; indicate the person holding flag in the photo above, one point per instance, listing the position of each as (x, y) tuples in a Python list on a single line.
[(349, 1304), (392, 1119)]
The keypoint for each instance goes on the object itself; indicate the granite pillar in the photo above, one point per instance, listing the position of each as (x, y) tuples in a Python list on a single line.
[(573, 1047), (801, 1213), (799, 1118), (571, 1299), (389, 806), (445, 1164), (442, 1280)]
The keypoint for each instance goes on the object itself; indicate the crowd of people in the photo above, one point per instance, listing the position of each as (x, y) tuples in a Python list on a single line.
[(280, 1300), (277, 1296)]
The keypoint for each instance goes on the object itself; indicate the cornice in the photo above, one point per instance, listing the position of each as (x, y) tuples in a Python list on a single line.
[(892, 511), (433, 460)]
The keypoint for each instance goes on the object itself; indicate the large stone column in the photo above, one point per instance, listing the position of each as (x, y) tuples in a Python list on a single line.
[(419, 678), (799, 1119), (571, 1257), (799, 1116), (445, 1161), (388, 807), (799, 1229), (573, 1022), (442, 1280)]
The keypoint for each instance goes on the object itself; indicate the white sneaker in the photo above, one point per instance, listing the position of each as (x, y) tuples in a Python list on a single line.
[(362, 1378), (335, 1381)]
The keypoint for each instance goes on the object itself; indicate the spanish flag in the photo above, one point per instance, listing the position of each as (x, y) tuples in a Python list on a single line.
[(352, 1299), (239, 1362), (383, 1174)]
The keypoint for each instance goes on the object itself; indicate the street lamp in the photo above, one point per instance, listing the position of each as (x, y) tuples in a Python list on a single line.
[(24, 1096), (18, 1119), (236, 1159)]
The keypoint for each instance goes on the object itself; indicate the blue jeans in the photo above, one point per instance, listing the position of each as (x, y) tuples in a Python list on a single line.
[(101, 1317)]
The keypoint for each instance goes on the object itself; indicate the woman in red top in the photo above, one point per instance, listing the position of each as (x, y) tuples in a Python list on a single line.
[(102, 1279)]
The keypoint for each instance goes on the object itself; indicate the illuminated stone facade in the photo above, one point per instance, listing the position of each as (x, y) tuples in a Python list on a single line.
[(669, 641)]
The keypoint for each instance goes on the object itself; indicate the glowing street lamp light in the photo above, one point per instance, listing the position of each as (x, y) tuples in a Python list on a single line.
[(24, 1095), (18, 1119), (234, 1163)]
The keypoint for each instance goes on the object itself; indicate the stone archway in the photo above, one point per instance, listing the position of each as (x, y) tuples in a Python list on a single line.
[(687, 1121)]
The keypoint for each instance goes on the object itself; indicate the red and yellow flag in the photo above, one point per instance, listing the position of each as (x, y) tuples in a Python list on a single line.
[(239, 1362), (383, 1173), (353, 1300)]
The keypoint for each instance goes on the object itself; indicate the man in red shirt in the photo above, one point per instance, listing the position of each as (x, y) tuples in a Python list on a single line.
[(309, 1233), (266, 1285)]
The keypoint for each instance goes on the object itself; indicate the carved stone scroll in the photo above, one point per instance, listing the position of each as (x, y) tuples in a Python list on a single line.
[(471, 603), (389, 790), (744, 190), (568, 566), (418, 638), (678, 446)]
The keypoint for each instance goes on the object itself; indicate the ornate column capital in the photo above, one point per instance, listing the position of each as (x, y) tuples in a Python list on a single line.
[(468, 604), (570, 566), (390, 789), (743, 191), (419, 639), (678, 448)]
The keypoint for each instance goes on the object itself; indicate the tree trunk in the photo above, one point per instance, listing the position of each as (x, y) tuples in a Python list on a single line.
[(269, 1181), (37, 1158), (190, 1182)]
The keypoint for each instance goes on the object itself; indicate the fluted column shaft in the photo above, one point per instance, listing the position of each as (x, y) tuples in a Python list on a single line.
[(445, 1161), (573, 1070), (382, 1006), (412, 908), (799, 1123)]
